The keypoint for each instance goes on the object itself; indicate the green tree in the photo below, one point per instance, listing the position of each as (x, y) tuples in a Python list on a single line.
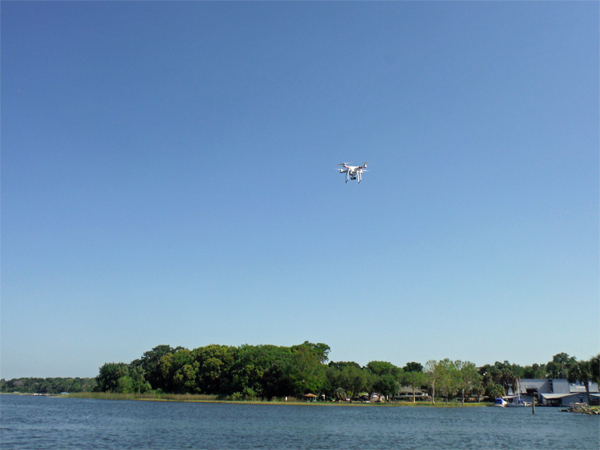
[(341, 364), (125, 385), (494, 390), (322, 350), (139, 383), (595, 368), (386, 385), (502, 373), (262, 368), (109, 376), (340, 394), (468, 379), (414, 380), (180, 372), (412, 367), (448, 377), (535, 371), (305, 371), (560, 365), (384, 377), (585, 372), (434, 374), (48, 385), (150, 363), (384, 368), (348, 376), (214, 367), (275, 380)]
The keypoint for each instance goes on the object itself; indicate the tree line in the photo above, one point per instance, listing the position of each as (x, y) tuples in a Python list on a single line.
[(47, 385), (269, 371)]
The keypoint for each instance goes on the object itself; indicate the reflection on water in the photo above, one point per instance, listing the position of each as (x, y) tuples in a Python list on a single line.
[(45, 422)]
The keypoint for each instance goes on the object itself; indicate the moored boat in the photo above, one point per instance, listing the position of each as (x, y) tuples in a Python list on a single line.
[(518, 401)]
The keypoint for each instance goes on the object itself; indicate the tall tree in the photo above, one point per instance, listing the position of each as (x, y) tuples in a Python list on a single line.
[(214, 367), (448, 377), (261, 368), (150, 362), (535, 371), (186, 372), (586, 372), (494, 390), (352, 378), (413, 367), (322, 350), (560, 365), (113, 377), (384, 368), (347, 376), (385, 377), (305, 371), (468, 378), (386, 385), (502, 373), (275, 381), (433, 372), (414, 380), (595, 368)]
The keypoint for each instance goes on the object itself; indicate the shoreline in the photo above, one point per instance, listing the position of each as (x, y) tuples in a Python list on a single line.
[(198, 399)]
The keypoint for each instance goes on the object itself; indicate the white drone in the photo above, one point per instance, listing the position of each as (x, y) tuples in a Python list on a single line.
[(353, 172)]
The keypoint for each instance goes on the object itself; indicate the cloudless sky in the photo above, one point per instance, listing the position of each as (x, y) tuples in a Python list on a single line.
[(168, 178)]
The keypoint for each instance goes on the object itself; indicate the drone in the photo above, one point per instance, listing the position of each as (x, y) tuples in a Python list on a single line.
[(353, 172)]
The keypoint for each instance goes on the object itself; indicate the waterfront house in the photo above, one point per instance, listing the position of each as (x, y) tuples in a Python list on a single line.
[(555, 392), (406, 394)]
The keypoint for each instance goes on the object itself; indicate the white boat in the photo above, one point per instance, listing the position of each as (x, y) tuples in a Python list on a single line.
[(500, 402), (517, 400)]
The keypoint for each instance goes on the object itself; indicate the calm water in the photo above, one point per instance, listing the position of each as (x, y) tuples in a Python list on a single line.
[(48, 423)]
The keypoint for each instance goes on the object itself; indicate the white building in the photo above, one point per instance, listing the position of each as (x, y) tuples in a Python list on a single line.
[(556, 392)]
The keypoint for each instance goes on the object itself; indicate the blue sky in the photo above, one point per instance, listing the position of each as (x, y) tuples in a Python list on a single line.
[(168, 178)]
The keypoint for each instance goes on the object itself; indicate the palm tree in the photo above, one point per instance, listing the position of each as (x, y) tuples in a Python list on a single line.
[(586, 372)]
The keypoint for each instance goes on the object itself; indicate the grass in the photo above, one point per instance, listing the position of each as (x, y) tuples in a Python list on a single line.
[(151, 397)]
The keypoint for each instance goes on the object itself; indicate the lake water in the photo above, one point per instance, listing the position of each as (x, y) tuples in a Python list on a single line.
[(60, 423)]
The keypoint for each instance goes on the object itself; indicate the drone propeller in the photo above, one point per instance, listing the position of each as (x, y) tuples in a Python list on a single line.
[(344, 164)]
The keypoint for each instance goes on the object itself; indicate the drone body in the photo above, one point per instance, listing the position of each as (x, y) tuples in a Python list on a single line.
[(353, 172)]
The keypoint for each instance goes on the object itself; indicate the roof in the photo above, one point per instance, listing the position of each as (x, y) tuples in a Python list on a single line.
[(407, 390), (309, 395), (576, 387), (553, 396), (560, 386), (533, 383)]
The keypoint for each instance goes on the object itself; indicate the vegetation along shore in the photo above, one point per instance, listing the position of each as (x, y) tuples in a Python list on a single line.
[(300, 373), (199, 398)]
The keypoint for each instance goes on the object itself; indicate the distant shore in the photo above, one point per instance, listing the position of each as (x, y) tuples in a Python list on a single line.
[(216, 399)]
